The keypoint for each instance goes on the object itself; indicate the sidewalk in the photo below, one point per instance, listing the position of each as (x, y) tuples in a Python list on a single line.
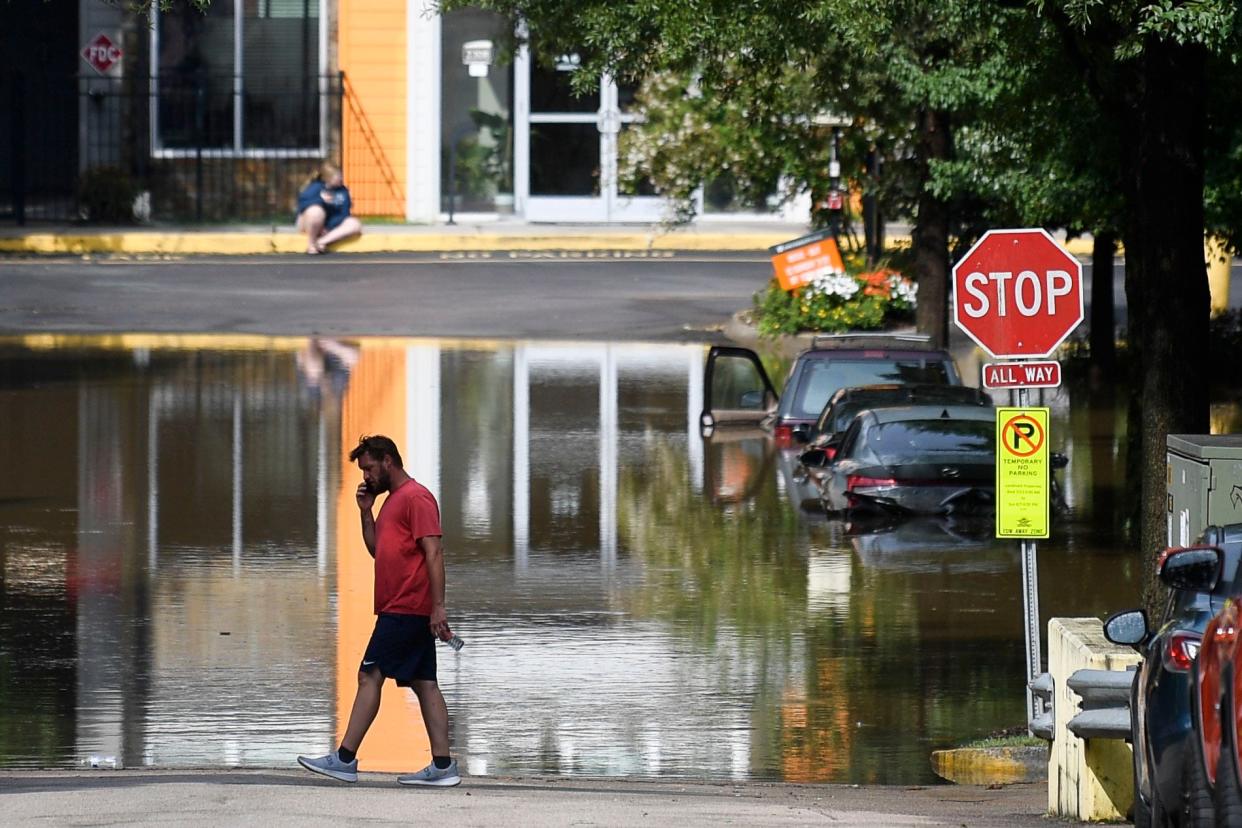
[(277, 798), (748, 237)]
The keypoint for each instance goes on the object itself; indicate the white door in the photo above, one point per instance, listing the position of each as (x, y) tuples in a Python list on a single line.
[(565, 148)]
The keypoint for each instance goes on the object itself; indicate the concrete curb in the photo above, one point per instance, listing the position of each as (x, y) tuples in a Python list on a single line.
[(375, 241), (991, 766), (402, 240)]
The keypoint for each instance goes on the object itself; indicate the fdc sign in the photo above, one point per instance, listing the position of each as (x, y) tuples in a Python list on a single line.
[(1017, 293)]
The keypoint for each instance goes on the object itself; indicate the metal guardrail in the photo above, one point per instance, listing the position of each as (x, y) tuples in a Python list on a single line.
[(1042, 724), (1105, 698)]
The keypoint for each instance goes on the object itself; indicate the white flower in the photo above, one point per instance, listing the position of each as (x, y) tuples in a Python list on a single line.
[(903, 289), (834, 284)]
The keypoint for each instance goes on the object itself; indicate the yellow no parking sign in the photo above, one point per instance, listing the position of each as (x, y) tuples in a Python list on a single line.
[(1022, 473)]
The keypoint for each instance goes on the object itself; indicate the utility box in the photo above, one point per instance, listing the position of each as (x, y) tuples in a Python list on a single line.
[(1203, 474)]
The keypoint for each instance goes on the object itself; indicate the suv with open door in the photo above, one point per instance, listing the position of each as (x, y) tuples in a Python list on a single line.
[(738, 392)]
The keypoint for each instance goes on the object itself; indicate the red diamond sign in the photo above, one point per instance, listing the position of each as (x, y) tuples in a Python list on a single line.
[(101, 53), (1017, 293)]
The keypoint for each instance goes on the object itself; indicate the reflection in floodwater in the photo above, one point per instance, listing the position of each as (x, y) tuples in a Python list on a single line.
[(184, 582)]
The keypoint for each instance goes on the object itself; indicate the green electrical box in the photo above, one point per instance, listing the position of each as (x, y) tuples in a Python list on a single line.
[(1203, 474)]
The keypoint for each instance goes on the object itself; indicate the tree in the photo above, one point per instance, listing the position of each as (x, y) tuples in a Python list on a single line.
[(1146, 67), (912, 70)]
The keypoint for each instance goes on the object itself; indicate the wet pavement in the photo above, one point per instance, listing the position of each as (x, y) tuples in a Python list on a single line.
[(184, 584)]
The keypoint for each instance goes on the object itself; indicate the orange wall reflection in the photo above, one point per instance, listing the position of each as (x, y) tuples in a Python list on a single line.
[(375, 403)]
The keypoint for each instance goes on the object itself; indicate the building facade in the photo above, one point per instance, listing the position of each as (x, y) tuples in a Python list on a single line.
[(223, 114)]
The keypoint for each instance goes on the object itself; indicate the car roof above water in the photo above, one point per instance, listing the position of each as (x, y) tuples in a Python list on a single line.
[(905, 413)]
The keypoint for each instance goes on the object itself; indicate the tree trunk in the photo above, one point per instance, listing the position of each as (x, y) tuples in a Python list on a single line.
[(1166, 279), (931, 231), (1103, 341)]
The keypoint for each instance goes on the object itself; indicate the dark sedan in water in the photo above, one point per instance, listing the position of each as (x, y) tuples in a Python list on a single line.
[(845, 403), (930, 460)]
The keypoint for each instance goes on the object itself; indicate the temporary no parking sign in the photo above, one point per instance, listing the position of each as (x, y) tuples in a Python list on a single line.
[(1022, 473)]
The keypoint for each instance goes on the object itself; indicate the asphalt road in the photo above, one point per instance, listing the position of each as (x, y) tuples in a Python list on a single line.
[(599, 296)]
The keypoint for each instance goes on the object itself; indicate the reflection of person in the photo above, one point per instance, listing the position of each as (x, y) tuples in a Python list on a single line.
[(409, 603), (324, 364), (323, 210)]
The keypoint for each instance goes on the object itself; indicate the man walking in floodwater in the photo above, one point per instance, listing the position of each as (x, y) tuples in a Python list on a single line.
[(409, 609)]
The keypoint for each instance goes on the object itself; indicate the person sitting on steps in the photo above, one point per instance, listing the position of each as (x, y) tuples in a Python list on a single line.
[(323, 210)]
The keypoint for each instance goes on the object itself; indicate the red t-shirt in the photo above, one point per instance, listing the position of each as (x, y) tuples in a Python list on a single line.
[(401, 584)]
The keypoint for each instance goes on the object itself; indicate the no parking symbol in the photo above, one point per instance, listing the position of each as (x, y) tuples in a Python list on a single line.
[(1022, 473)]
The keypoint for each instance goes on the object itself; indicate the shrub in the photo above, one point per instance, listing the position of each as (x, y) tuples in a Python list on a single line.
[(835, 303), (106, 194)]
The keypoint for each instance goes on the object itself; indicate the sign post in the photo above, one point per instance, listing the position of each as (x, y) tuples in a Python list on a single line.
[(1019, 294)]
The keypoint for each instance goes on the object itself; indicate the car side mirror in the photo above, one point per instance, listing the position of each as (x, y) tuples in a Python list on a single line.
[(1058, 460), (815, 458), (1127, 627), (1190, 568)]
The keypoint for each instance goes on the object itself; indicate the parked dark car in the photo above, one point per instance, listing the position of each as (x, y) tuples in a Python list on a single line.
[(1169, 782), (930, 460), (845, 403)]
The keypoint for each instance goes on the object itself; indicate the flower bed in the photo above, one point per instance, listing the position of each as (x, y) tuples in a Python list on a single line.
[(835, 303)]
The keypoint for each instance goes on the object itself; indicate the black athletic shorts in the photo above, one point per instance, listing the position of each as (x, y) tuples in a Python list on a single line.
[(403, 648)]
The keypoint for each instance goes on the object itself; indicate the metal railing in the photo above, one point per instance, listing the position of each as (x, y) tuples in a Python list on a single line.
[(1105, 702), (1105, 698), (173, 148)]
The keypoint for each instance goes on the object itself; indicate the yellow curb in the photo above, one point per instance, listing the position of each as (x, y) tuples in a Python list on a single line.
[(378, 241), (987, 766), (223, 243)]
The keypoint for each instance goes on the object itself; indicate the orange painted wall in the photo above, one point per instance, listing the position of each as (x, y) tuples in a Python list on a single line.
[(371, 38), (373, 404)]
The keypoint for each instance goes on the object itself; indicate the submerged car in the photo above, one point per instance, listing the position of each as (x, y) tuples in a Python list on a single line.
[(1171, 777), (845, 403), (738, 392), (737, 388), (929, 460)]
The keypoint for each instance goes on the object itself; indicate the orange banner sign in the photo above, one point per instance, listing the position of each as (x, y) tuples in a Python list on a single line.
[(803, 259)]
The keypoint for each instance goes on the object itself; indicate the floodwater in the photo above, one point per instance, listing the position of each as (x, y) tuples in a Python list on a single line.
[(184, 582)]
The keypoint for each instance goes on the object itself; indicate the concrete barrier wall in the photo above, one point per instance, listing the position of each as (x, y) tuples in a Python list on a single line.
[(1087, 780)]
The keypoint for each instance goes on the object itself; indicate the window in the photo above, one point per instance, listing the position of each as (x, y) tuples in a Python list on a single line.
[(243, 77)]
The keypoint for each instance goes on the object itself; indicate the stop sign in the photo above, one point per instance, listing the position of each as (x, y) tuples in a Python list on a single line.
[(1017, 293)]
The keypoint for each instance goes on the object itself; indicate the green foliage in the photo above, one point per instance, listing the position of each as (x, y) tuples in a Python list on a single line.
[(106, 194)]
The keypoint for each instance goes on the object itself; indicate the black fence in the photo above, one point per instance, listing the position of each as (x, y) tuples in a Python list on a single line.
[(178, 149)]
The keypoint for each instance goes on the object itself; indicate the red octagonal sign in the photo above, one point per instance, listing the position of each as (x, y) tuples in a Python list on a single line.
[(1017, 293)]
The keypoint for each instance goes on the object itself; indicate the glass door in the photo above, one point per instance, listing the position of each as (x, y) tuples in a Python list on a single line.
[(566, 148)]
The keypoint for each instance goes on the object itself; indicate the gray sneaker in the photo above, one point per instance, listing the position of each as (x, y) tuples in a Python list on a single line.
[(431, 775), (331, 765)]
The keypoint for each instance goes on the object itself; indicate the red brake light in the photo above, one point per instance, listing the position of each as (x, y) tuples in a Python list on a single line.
[(855, 481), (784, 436), (1180, 650)]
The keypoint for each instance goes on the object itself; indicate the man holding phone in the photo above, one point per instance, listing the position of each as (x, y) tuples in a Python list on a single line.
[(404, 540)]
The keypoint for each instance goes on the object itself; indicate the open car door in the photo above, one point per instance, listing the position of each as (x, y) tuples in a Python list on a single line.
[(736, 389)]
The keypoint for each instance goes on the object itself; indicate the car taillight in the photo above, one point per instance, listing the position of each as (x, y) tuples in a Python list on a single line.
[(784, 436), (857, 481), (1180, 650)]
